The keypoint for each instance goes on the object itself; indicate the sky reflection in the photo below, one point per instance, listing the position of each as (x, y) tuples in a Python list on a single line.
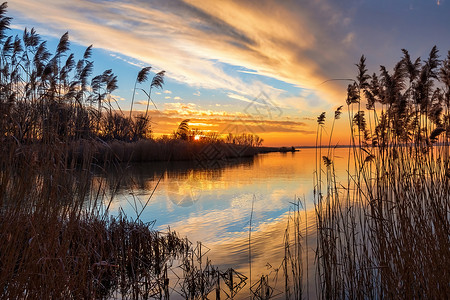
[(214, 206)]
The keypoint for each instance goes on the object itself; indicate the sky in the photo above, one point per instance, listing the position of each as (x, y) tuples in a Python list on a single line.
[(254, 66)]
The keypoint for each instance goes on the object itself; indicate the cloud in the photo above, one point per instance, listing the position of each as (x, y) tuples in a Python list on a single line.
[(238, 97), (118, 98), (167, 92), (348, 40), (128, 61), (202, 37), (177, 98)]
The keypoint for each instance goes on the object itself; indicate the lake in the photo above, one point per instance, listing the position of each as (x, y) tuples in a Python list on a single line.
[(215, 206)]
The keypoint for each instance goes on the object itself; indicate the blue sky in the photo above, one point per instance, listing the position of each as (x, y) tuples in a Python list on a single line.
[(220, 55)]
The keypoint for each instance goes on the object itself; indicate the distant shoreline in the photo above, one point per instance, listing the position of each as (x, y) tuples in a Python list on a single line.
[(262, 150)]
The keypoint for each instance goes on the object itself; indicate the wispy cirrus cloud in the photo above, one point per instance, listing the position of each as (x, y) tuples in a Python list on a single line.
[(204, 44)]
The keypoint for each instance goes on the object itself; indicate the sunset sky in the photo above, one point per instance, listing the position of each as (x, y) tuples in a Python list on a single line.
[(254, 66)]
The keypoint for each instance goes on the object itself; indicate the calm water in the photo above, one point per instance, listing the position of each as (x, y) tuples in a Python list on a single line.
[(214, 206)]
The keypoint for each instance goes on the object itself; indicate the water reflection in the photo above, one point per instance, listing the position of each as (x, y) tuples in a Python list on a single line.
[(214, 206), (143, 176)]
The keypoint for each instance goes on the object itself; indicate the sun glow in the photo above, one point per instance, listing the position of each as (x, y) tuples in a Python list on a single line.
[(197, 138)]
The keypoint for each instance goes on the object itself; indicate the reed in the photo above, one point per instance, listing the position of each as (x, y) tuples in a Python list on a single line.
[(384, 232), (294, 250)]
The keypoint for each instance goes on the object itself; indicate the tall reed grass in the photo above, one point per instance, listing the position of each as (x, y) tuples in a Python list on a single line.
[(384, 232)]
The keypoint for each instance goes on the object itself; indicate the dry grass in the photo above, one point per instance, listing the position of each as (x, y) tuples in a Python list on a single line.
[(82, 258)]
